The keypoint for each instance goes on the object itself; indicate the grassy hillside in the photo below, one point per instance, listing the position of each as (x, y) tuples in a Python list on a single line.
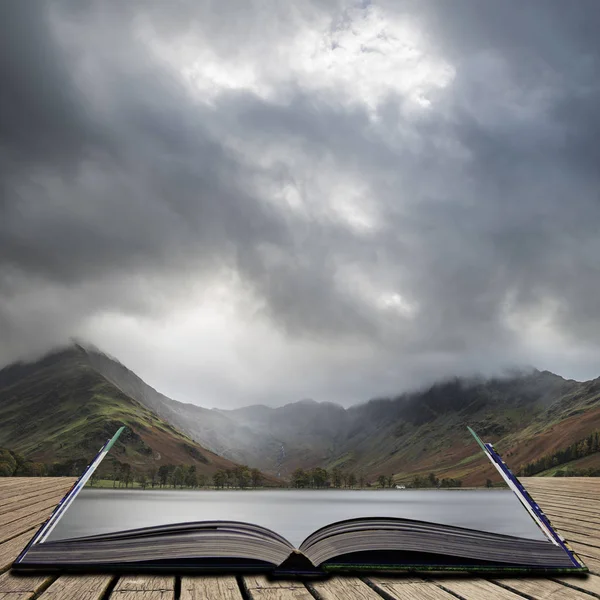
[(60, 410), (527, 418), (64, 406)]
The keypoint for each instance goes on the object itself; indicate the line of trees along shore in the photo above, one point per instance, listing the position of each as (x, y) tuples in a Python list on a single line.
[(187, 476), (179, 476), (320, 478)]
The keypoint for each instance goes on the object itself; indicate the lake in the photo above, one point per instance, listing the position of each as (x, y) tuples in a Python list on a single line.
[(292, 513)]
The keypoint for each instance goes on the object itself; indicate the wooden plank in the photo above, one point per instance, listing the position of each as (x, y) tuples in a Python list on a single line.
[(21, 483), (45, 504), (22, 587), (566, 481), (12, 481), (580, 513), (573, 531), (568, 519), (570, 507), (78, 587), (25, 524), (343, 588), (583, 540), (132, 587), (543, 499), (572, 492), (476, 589), (585, 551), (259, 587), (591, 504), (542, 589), (29, 499), (14, 493), (540, 496), (553, 483), (33, 483), (591, 583), (593, 564), (552, 513), (209, 588), (589, 483), (403, 588), (10, 550), (556, 483)]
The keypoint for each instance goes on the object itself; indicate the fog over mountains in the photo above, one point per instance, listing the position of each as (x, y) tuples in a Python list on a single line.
[(528, 415)]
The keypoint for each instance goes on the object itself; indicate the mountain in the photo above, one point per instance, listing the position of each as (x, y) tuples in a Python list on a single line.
[(425, 431), (60, 409), (300, 434), (51, 409), (223, 436), (527, 414)]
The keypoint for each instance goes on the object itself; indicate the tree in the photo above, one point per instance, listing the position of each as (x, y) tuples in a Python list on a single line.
[(242, 476), (177, 477), (351, 480), (190, 477), (143, 480), (229, 477), (382, 480), (8, 463), (361, 480), (5, 469), (336, 477), (318, 477), (432, 480), (153, 476), (390, 481), (163, 474), (417, 482), (488, 483), (126, 474), (255, 477), (201, 480), (220, 478), (300, 478)]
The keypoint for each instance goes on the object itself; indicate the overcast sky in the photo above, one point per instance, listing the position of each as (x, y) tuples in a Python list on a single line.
[(261, 201)]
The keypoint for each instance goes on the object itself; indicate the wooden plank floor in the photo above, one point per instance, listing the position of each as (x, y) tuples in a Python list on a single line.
[(573, 505)]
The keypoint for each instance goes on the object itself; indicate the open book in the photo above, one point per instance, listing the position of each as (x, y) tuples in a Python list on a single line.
[(368, 543)]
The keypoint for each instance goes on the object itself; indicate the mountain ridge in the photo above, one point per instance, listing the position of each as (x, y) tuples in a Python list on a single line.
[(525, 413), (59, 410)]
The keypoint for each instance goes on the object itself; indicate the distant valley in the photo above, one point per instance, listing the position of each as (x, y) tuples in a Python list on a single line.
[(67, 402)]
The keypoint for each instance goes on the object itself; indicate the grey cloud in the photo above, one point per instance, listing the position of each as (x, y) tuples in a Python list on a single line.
[(121, 196)]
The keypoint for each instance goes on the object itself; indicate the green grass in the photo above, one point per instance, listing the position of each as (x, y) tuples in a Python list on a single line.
[(62, 410)]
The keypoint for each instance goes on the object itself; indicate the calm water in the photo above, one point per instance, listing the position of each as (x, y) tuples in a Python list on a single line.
[(292, 513)]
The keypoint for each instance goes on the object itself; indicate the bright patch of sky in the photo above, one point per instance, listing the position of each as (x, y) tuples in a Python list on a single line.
[(361, 56)]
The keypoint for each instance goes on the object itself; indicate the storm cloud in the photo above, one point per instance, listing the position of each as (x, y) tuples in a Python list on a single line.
[(263, 201)]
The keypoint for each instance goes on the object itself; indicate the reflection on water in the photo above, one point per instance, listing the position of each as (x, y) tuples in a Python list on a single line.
[(292, 513)]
